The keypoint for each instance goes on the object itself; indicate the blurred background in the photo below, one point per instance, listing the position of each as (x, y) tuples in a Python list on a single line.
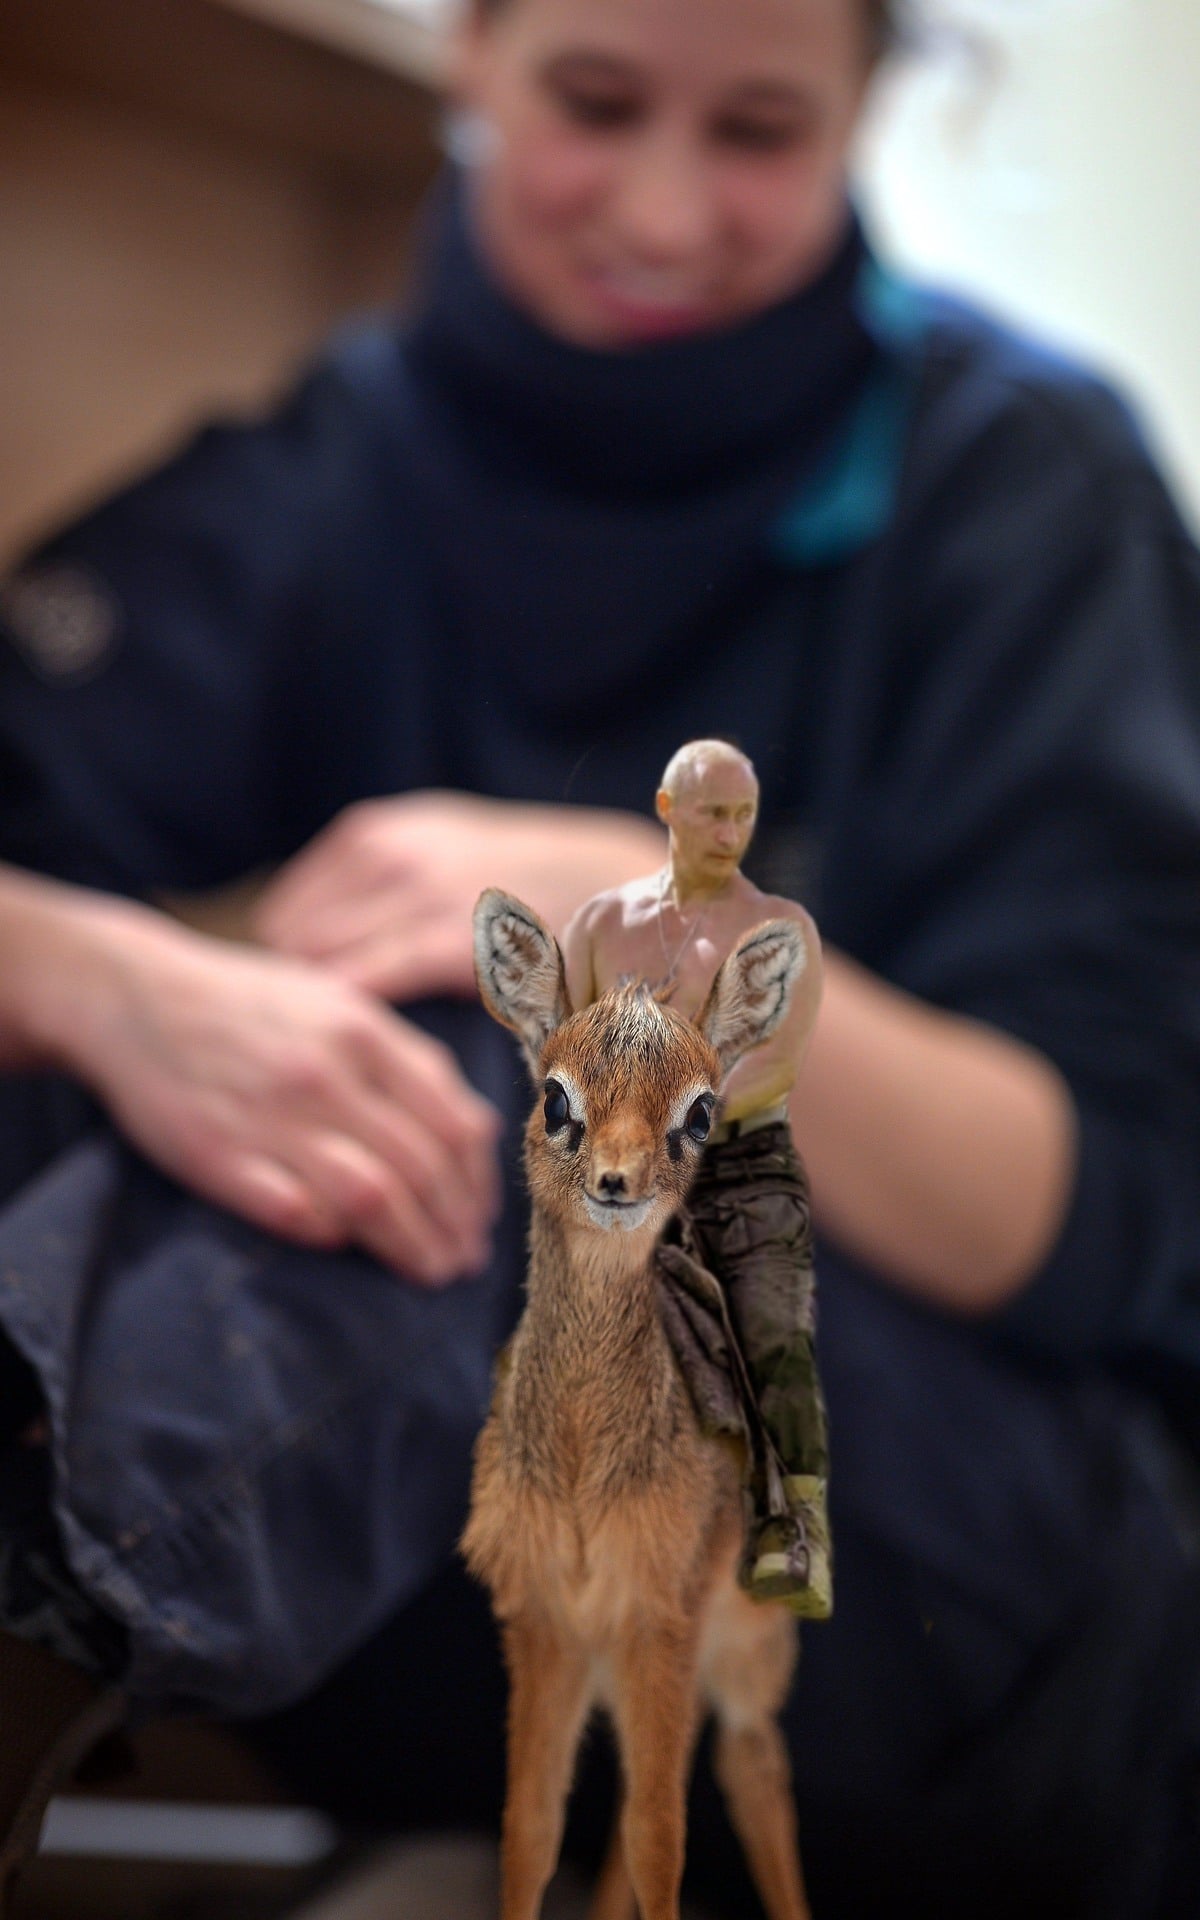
[(193, 191), (1044, 155)]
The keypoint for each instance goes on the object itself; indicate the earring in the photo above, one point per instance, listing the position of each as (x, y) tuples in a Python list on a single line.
[(468, 138)]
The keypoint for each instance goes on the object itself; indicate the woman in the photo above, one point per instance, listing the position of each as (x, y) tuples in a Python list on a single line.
[(662, 452)]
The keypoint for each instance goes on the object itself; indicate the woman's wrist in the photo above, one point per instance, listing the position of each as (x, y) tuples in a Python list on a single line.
[(64, 950), (942, 1151)]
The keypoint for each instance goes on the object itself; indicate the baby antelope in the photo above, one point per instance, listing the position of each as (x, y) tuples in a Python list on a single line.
[(606, 1525)]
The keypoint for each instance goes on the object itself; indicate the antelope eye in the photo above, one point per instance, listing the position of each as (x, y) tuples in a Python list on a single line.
[(699, 1118), (557, 1108)]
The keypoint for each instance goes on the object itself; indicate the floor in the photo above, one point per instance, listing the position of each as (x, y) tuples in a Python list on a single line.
[(181, 1823), (439, 1878), (436, 1879)]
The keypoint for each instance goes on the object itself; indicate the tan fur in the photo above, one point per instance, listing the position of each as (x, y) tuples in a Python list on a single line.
[(605, 1525)]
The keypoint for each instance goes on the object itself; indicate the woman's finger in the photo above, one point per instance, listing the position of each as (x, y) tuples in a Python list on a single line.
[(381, 1209), (429, 956)]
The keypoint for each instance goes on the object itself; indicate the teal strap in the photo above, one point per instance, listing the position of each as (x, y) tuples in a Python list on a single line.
[(850, 499)]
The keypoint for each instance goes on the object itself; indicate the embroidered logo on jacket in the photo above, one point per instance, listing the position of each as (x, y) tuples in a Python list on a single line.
[(61, 618)]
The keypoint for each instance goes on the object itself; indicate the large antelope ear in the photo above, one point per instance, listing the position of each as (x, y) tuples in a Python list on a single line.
[(520, 971), (752, 990)]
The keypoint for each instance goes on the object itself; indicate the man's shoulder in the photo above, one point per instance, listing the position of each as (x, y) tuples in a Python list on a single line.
[(775, 906), (617, 905), (761, 906), (605, 917)]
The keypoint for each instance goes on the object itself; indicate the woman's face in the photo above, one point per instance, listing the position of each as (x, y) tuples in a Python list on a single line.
[(654, 168)]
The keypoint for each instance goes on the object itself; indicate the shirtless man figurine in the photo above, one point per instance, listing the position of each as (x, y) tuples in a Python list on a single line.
[(747, 1219)]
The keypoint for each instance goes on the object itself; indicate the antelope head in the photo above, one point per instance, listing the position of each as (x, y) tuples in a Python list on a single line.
[(629, 1087)]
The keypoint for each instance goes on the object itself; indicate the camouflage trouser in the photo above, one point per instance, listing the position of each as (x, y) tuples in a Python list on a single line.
[(748, 1221)]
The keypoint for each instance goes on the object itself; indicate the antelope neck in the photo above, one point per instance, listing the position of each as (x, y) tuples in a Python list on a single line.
[(585, 1278)]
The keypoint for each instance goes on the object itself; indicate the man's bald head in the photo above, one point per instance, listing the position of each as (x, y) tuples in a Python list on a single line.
[(690, 767)]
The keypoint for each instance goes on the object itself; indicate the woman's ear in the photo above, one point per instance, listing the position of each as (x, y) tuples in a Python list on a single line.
[(468, 132), (466, 59)]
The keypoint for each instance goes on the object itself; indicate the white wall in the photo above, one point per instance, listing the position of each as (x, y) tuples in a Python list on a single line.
[(1056, 174)]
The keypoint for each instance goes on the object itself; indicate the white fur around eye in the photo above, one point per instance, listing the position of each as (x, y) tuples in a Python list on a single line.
[(570, 1087), (682, 1107)]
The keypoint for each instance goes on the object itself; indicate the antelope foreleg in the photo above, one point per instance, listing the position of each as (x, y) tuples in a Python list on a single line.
[(548, 1698), (656, 1709), (613, 1898)]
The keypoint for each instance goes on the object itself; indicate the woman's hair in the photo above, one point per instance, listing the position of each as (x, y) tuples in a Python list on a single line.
[(886, 20), (884, 24)]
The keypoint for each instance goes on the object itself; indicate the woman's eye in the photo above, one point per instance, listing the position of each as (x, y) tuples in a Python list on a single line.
[(758, 136), (557, 1108), (699, 1119), (598, 109)]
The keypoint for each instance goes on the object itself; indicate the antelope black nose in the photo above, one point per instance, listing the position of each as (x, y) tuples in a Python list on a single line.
[(611, 1183)]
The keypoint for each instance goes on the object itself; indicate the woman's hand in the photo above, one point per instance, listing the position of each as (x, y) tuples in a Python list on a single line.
[(384, 895), (263, 1084)]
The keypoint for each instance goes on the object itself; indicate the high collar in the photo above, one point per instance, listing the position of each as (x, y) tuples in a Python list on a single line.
[(673, 418)]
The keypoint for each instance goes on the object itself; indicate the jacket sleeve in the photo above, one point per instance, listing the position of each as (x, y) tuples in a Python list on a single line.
[(144, 652), (1034, 823)]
